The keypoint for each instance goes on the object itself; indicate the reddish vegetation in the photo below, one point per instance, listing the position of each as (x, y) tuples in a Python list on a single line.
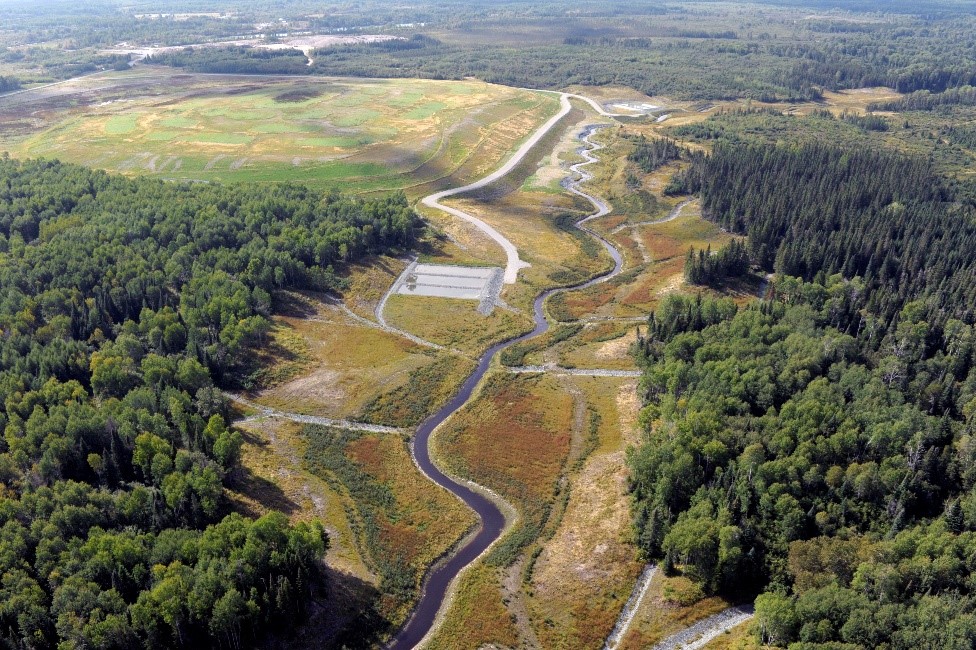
[(650, 284), (581, 303), (662, 247), (367, 452), (516, 437)]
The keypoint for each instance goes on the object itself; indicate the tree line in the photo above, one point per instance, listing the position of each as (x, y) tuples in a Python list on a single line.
[(122, 301), (818, 209), (923, 100), (816, 447), (714, 268), (653, 153)]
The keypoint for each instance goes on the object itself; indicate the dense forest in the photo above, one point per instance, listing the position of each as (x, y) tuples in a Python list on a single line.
[(933, 56), (816, 446), (648, 155), (713, 268), (817, 210), (123, 300)]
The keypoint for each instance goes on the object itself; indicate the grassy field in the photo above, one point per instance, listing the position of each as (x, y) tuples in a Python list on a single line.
[(583, 567), (360, 135), (478, 615), (453, 322), (347, 363), (671, 605)]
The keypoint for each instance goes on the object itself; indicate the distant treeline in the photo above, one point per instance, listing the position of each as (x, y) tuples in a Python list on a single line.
[(821, 209), (924, 100), (121, 302), (234, 60), (8, 83), (758, 67)]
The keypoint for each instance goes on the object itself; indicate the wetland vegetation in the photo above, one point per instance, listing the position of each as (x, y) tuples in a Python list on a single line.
[(794, 206)]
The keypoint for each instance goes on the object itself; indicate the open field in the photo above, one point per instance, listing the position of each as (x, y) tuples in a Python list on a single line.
[(361, 135), (600, 345), (478, 615), (349, 363), (584, 566), (454, 322)]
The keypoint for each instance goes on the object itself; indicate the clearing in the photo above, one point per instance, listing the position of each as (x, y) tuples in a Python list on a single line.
[(360, 135)]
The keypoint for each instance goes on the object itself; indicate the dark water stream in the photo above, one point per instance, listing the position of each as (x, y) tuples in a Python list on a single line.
[(492, 519)]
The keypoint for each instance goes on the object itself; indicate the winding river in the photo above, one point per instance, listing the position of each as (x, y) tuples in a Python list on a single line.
[(438, 581)]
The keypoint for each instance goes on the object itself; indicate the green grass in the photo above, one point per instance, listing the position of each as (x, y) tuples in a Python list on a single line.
[(390, 133), (356, 118), (121, 124), (221, 138), (425, 111), (179, 122)]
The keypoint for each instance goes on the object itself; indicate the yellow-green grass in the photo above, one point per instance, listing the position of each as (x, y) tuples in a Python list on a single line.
[(272, 476), (426, 388), (453, 322), (347, 364), (362, 135), (669, 607), (287, 355), (583, 574), (600, 345), (367, 282), (477, 616)]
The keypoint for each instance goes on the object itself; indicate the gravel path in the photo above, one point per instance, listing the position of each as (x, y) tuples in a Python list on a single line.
[(698, 635), (630, 608), (513, 264), (578, 372), (267, 412)]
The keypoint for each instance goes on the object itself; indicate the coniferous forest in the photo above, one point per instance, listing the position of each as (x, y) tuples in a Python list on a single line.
[(123, 302), (816, 446), (806, 439)]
